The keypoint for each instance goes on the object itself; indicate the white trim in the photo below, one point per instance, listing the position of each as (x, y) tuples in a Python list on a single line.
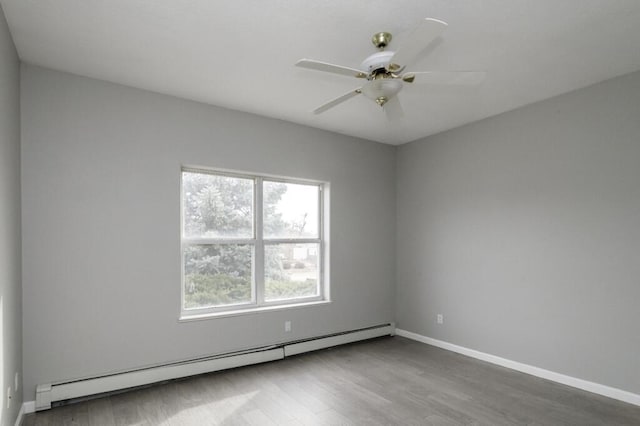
[(26, 408), (257, 262), (29, 407), (276, 241), (340, 339), (267, 308), (198, 241), (19, 416), (585, 385)]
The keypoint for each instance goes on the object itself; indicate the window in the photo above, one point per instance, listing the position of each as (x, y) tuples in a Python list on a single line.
[(250, 242)]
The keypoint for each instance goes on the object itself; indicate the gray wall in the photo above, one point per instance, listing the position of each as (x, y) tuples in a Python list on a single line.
[(523, 230), (10, 251), (101, 167)]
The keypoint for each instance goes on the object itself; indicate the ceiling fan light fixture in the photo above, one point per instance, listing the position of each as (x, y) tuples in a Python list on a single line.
[(382, 90)]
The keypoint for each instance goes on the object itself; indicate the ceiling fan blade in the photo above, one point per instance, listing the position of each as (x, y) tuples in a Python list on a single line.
[(326, 67), (337, 101), (460, 78), (418, 40), (393, 109)]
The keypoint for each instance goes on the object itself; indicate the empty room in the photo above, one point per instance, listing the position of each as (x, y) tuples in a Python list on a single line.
[(319, 213)]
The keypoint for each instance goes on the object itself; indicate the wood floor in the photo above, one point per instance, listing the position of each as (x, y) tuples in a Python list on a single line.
[(389, 381)]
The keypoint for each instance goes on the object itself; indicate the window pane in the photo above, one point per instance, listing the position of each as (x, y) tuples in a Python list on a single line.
[(290, 210), (217, 275), (291, 270), (217, 206)]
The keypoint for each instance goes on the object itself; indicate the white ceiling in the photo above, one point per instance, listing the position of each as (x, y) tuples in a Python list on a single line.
[(241, 54)]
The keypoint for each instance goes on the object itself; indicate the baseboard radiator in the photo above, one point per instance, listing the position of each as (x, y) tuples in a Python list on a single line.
[(46, 394)]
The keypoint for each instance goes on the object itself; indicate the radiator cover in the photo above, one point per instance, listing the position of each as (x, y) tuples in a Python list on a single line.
[(61, 391)]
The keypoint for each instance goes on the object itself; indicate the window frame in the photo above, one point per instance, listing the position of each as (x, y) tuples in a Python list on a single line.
[(259, 244)]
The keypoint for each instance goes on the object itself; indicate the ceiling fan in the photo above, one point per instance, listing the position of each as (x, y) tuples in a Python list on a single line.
[(384, 71)]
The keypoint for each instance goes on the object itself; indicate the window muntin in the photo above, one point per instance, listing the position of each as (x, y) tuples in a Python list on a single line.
[(249, 242)]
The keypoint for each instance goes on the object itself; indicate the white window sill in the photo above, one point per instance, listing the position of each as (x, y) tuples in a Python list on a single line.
[(250, 311)]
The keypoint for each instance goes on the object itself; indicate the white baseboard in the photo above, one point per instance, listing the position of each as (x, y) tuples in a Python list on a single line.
[(26, 408), (585, 385), (29, 407), (20, 414)]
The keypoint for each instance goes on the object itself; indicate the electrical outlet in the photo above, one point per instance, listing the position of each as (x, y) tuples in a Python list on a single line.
[(16, 381), (287, 326), (440, 319)]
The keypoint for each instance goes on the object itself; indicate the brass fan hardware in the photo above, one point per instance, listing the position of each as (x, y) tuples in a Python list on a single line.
[(408, 78), (394, 67), (381, 100), (381, 73), (381, 40)]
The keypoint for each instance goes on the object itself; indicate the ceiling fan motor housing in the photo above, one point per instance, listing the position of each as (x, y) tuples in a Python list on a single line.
[(376, 61)]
